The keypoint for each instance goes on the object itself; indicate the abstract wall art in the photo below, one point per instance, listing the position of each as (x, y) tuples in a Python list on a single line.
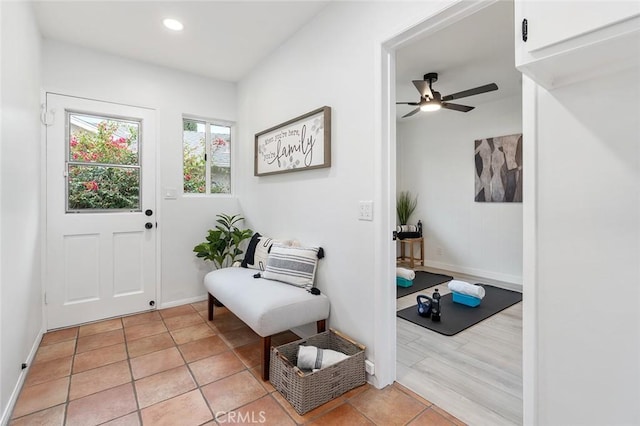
[(498, 167)]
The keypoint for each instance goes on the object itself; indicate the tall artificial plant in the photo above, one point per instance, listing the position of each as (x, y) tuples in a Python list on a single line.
[(405, 206), (223, 242)]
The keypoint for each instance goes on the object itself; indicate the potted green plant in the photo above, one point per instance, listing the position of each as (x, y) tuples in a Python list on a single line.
[(405, 206), (223, 242)]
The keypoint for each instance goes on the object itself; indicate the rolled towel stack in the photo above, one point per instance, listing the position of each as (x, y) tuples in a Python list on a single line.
[(314, 358), (407, 228), (405, 273), (463, 287)]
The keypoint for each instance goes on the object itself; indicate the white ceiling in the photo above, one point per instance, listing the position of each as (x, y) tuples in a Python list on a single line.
[(221, 39), (226, 39), (472, 52)]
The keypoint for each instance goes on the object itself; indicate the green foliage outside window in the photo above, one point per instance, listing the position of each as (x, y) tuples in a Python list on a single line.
[(190, 125), (195, 164), (96, 185), (194, 169)]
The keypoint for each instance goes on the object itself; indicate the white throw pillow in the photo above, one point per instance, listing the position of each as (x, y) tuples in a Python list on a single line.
[(258, 251)]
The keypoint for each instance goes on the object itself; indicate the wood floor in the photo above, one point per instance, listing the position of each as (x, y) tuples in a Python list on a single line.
[(476, 375)]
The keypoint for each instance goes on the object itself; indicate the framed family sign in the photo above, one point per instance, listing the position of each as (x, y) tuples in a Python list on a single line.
[(302, 143)]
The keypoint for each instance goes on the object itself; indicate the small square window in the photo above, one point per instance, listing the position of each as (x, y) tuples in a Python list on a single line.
[(206, 157)]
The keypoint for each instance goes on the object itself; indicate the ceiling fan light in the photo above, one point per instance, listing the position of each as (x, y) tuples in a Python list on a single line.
[(430, 106), (173, 24)]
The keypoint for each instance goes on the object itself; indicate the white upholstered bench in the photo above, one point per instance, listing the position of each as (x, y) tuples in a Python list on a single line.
[(268, 307)]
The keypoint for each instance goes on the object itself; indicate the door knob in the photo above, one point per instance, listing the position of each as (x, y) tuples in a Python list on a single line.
[(148, 225), (148, 212)]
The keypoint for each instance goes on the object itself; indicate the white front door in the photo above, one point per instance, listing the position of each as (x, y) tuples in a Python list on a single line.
[(101, 226)]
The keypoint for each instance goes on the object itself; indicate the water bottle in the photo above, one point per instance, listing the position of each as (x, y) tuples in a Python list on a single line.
[(420, 227), (435, 305)]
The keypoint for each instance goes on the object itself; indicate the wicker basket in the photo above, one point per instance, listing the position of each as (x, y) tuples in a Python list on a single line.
[(308, 390)]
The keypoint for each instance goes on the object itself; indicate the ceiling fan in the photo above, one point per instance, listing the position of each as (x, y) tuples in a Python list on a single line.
[(430, 100)]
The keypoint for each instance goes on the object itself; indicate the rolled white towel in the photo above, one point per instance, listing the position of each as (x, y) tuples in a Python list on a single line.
[(405, 273), (314, 358), (407, 228), (464, 287)]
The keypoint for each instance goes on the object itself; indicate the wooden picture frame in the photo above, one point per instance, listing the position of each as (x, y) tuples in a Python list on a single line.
[(302, 143)]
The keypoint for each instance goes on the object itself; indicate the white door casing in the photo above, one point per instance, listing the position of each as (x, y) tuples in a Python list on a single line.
[(100, 263)]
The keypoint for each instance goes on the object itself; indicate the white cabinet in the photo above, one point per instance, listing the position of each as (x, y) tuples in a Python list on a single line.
[(568, 41)]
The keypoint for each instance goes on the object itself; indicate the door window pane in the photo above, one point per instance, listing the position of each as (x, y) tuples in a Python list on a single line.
[(103, 188), (103, 140), (103, 164)]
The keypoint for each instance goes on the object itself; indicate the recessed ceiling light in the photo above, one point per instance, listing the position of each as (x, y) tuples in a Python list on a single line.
[(173, 24)]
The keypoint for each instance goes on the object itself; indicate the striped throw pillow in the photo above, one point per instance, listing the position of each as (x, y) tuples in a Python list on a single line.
[(292, 265)]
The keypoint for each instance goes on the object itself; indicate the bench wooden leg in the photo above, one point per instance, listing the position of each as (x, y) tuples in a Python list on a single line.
[(266, 357), (321, 325), (211, 300)]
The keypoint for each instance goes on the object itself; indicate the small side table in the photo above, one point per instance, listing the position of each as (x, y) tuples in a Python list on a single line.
[(411, 259)]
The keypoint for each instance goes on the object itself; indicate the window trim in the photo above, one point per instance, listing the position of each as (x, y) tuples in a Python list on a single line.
[(232, 152)]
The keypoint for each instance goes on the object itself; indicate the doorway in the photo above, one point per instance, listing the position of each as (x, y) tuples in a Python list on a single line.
[(437, 259), (101, 209)]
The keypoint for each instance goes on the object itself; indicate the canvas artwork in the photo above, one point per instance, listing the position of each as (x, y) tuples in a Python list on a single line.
[(302, 143), (498, 164)]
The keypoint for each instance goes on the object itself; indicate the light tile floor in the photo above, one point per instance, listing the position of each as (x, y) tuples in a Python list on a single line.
[(173, 367)]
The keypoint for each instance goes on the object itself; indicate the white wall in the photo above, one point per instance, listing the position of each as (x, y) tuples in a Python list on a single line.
[(329, 62), (182, 223), (20, 280), (436, 162), (588, 347), (588, 286)]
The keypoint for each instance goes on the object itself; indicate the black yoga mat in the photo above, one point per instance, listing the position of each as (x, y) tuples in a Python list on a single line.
[(423, 280), (457, 317)]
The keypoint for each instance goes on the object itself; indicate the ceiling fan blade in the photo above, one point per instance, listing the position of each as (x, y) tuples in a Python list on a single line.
[(471, 92), (411, 113), (408, 103), (423, 88), (457, 107)]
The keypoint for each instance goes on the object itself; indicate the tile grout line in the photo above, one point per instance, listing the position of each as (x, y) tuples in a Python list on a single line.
[(361, 413), (248, 369), (73, 361), (195, 381), (133, 381), (215, 419)]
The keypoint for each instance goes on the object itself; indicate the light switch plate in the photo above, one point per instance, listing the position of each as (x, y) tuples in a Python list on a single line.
[(365, 210), (170, 193)]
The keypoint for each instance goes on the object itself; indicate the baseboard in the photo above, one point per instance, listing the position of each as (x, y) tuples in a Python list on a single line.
[(6, 413), (175, 303), (507, 281)]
